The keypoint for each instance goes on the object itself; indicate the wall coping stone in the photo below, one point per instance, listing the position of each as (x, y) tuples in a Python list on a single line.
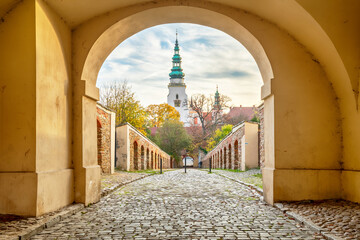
[(106, 109)]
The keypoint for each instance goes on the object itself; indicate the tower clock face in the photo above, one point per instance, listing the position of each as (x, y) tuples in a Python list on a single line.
[(177, 102)]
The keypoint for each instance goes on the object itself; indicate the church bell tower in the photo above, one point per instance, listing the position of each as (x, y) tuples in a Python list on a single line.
[(177, 96)]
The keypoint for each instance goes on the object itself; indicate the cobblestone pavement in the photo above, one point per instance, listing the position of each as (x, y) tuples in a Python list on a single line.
[(247, 176), (341, 218), (175, 205), (110, 181), (12, 226)]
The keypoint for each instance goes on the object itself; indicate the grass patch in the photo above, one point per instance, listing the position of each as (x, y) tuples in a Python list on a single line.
[(257, 181), (229, 170), (149, 171), (250, 199)]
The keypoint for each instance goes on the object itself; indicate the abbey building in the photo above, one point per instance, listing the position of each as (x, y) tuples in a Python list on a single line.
[(177, 96)]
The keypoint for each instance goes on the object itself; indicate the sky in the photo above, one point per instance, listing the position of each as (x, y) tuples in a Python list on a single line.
[(209, 57)]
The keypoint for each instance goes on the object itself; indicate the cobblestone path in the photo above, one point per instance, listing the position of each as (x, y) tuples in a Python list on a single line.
[(175, 205)]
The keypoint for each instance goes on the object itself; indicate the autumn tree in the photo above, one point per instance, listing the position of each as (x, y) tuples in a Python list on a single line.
[(120, 98), (173, 138), (208, 113), (159, 113), (218, 135)]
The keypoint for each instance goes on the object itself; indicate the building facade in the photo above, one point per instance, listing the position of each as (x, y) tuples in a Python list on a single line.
[(177, 96)]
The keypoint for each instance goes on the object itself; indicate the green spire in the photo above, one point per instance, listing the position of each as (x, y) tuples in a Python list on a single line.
[(217, 97), (176, 71)]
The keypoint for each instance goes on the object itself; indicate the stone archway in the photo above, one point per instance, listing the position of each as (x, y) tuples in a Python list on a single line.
[(308, 65), (271, 58)]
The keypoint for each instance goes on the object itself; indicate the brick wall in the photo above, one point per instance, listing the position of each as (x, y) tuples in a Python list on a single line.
[(230, 152), (104, 139), (134, 151), (261, 136)]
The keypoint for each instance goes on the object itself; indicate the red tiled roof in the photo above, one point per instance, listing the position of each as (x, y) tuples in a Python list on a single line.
[(247, 112)]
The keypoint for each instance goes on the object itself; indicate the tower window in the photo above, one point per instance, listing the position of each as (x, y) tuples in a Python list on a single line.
[(177, 96)]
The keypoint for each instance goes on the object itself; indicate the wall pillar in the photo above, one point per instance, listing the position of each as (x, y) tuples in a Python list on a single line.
[(35, 111), (87, 172)]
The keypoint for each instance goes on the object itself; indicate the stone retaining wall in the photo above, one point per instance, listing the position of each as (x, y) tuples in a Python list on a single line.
[(238, 150), (105, 138), (134, 151)]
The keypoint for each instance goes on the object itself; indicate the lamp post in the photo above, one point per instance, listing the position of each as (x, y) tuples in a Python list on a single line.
[(185, 163), (184, 155)]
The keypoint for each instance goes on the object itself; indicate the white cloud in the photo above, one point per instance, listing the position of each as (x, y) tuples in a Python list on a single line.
[(210, 57)]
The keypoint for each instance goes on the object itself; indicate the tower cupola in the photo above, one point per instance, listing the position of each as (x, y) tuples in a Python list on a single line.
[(217, 98), (176, 71)]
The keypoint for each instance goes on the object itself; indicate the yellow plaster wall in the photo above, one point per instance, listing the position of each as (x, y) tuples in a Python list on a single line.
[(53, 91), (341, 21), (294, 185), (18, 193), (18, 111), (35, 112), (55, 190), (251, 146), (123, 147), (53, 111), (306, 113), (351, 185), (18, 89)]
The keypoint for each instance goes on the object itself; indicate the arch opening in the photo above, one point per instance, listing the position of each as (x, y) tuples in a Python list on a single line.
[(119, 31)]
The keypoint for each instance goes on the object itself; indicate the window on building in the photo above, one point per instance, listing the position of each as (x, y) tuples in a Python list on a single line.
[(177, 96)]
